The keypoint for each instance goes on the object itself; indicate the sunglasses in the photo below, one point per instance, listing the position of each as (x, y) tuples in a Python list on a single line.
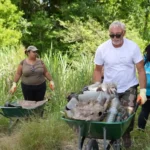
[(34, 51), (115, 35)]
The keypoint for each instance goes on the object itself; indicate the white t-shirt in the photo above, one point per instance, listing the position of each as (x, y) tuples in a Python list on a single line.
[(119, 63)]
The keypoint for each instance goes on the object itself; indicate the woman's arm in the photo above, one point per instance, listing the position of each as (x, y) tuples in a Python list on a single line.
[(18, 73), (46, 73)]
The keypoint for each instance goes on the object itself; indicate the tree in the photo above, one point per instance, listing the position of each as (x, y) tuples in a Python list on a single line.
[(11, 24)]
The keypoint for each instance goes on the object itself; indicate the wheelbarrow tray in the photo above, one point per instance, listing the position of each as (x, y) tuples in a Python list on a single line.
[(10, 112), (22, 111), (95, 129)]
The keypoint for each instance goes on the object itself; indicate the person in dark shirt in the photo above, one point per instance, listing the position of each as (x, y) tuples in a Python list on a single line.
[(143, 116)]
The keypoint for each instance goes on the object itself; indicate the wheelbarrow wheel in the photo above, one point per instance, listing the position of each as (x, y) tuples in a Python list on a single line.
[(92, 145), (115, 144)]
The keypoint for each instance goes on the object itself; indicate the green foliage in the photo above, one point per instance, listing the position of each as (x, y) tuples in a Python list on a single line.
[(44, 135), (40, 31), (74, 37), (75, 27), (68, 32), (79, 37), (105, 11), (10, 58), (68, 77), (10, 24), (39, 135), (133, 34)]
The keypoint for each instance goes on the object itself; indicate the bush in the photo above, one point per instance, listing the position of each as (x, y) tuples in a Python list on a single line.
[(11, 24)]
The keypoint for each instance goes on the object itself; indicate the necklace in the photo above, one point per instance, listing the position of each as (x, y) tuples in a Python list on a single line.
[(32, 68)]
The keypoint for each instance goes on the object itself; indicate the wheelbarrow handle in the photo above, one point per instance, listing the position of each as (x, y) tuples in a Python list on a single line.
[(136, 106)]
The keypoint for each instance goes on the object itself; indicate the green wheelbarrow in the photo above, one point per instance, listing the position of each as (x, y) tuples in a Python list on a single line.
[(100, 130), (15, 111)]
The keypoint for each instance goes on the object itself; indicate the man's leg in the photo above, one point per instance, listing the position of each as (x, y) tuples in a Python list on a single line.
[(128, 99)]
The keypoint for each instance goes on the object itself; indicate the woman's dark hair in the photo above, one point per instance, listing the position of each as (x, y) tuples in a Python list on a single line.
[(147, 53), (26, 52)]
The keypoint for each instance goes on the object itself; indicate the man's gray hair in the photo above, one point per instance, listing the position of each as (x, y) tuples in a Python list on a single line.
[(118, 24)]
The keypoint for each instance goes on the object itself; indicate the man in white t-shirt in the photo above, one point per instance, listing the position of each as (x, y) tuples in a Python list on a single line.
[(120, 58)]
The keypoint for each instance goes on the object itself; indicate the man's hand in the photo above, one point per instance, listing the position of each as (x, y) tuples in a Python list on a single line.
[(13, 88), (142, 97), (51, 85)]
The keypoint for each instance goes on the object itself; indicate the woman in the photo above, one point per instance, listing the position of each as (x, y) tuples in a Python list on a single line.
[(143, 116), (32, 72)]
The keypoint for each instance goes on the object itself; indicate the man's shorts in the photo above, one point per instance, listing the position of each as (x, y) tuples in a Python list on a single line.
[(128, 98)]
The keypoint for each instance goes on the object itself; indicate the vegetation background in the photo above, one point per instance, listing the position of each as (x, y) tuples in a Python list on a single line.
[(67, 33)]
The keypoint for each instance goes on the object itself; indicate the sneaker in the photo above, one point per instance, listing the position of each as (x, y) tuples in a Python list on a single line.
[(127, 140)]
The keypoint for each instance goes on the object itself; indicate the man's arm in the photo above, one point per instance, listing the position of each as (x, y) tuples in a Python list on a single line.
[(141, 74), (98, 73), (142, 81)]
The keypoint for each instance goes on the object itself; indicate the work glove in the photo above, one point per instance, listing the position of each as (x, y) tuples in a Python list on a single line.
[(141, 99), (51, 85), (93, 87), (13, 88), (112, 89)]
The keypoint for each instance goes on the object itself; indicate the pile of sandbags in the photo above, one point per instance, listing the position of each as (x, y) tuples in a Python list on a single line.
[(98, 102)]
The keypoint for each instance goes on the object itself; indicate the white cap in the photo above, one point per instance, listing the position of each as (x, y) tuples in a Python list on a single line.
[(31, 48)]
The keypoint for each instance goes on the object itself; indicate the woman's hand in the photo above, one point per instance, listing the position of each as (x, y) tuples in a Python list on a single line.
[(51, 85), (13, 88)]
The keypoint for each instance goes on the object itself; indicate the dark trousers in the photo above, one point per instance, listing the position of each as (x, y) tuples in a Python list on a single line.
[(34, 92), (143, 116)]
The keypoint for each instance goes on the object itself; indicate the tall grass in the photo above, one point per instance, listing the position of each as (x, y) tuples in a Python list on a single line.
[(10, 58), (51, 132), (38, 134), (67, 77)]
